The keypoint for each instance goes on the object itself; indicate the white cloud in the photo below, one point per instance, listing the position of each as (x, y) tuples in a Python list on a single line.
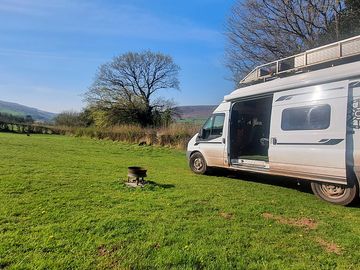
[(95, 18), (47, 55), (27, 7)]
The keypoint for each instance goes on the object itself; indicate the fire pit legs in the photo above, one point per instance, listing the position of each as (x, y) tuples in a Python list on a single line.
[(137, 180), (136, 174)]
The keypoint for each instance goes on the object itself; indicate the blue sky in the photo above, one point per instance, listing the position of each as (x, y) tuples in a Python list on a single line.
[(50, 49)]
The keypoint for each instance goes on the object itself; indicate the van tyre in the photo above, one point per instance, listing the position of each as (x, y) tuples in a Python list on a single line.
[(336, 194), (198, 164)]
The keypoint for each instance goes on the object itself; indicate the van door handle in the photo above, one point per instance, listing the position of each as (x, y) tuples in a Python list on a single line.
[(223, 141), (274, 141)]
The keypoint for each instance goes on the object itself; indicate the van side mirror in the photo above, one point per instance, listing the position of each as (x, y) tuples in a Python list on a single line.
[(201, 133)]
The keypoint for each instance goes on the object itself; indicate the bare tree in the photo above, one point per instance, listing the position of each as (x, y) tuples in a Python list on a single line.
[(260, 31), (130, 81)]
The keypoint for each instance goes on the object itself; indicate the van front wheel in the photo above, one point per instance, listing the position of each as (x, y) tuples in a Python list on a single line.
[(198, 164), (336, 194)]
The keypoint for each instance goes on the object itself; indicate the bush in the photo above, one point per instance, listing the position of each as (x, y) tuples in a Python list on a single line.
[(74, 119), (176, 135)]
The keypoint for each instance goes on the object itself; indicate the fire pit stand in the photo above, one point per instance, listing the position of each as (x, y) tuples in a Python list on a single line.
[(136, 175)]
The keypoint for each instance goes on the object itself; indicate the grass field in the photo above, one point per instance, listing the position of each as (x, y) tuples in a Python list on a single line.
[(62, 206), (196, 121), (11, 112)]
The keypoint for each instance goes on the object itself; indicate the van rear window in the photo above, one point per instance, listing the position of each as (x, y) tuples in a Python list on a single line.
[(306, 118)]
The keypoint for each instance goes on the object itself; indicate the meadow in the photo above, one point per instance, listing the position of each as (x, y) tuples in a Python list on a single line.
[(63, 205)]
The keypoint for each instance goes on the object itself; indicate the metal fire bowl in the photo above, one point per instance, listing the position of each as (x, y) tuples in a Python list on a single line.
[(137, 172)]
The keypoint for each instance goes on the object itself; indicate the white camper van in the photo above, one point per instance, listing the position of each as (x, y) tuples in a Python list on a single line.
[(297, 117)]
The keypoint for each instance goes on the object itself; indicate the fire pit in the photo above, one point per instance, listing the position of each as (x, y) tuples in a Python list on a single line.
[(136, 175)]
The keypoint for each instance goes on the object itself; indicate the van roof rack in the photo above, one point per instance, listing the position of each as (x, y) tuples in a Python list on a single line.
[(318, 57)]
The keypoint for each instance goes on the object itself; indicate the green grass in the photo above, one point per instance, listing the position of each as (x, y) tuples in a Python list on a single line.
[(62, 206), (196, 121), (16, 113)]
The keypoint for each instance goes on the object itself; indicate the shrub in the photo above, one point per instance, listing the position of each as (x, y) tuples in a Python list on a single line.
[(176, 135)]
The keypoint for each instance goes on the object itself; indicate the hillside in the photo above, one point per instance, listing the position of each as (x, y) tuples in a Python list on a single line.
[(18, 109), (195, 112), (198, 112)]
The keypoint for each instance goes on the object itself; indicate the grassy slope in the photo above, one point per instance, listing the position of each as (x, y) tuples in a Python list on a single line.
[(61, 206), (11, 112), (18, 109), (196, 121)]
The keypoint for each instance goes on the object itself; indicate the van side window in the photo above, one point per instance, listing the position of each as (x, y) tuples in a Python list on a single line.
[(306, 118), (213, 127)]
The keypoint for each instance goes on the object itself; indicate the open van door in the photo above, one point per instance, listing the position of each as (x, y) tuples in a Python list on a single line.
[(308, 132)]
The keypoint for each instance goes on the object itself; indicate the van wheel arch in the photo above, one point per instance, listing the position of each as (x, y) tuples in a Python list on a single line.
[(357, 180), (337, 194), (197, 163)]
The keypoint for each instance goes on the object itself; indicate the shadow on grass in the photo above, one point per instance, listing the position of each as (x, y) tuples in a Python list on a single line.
[(281, 181), (154, 184), (273, 180)]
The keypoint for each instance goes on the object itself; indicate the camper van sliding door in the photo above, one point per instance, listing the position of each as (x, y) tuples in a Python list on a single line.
[(308, 132)]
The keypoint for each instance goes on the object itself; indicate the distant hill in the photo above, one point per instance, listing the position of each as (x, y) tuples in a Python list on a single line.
[(199, 112), (21, 110), (195, 112)]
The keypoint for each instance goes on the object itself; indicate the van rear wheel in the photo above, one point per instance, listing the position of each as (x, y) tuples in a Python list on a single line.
[(198, 164), (336, 194)]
